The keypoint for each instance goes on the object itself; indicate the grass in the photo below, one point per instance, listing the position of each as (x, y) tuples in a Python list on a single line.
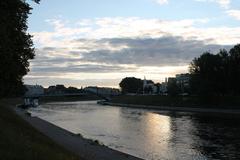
[(20, 141), (225, 102)]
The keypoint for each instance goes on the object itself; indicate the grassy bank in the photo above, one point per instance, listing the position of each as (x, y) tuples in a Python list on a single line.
[(18, 140), (224, 102)]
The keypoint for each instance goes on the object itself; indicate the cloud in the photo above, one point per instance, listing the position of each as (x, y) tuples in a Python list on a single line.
[(67, 81), (132, 27), (223, 3), (234, 13), (107, 48), (82, 68), (169, 50), (162, 2), (154, 57)]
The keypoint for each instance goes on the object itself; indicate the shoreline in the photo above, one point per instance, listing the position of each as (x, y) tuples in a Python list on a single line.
[(175, 109), (84, 148)]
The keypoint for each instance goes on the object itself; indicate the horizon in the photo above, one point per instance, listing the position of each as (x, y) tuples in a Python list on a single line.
[(99, 43)]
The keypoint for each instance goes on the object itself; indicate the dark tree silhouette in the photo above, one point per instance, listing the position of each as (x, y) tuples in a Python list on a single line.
[(216, 74), (234, 69), (131, 85), (207, 68), (16, 46)]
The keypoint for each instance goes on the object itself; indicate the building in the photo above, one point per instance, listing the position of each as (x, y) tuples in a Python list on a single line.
[(149, 87), (163, 88), (56, 90), (32, 94), (103, 90), (34, 90), (183, 82)]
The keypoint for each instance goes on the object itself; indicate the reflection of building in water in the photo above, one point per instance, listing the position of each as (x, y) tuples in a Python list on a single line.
[(31, 101)]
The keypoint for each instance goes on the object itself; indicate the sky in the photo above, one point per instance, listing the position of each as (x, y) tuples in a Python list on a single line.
[(98, 43)]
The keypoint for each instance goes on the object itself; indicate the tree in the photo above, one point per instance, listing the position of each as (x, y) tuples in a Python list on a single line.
[(234, 69), (16, 46), (207, 74), (216, 74), (131, 85)]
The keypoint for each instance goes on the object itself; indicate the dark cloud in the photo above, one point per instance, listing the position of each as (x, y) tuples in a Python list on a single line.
[(165, 51), (86, 68), (48, 81), (152, 52)]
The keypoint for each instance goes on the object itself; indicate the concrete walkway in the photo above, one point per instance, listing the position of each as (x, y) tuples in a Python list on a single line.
[(82, 147)]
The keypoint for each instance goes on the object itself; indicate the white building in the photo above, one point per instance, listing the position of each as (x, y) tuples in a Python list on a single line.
[(182, 81), (149, 87), (34, 90), (163, 88)]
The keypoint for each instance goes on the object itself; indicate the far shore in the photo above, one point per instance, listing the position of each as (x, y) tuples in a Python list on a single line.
[(219, 104), (176, 109)]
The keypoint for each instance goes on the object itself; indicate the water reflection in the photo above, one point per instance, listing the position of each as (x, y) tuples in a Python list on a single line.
[(219, 137), (148, 134)]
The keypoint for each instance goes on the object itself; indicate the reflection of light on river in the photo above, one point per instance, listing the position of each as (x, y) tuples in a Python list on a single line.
[(157, 124)]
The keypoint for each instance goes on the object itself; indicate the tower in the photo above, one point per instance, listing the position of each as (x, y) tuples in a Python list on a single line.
[(144, 84)]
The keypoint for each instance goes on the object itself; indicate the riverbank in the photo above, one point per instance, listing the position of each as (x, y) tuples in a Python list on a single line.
[(19, 140), (184, 104), (88, 149)]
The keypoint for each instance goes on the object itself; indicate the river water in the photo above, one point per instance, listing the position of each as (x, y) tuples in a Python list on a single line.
[(149, 134)]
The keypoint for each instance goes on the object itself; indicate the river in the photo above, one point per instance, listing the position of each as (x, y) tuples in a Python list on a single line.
[(148, 134)]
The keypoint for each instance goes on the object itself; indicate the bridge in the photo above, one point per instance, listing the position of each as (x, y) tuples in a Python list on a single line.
[(32, 100)]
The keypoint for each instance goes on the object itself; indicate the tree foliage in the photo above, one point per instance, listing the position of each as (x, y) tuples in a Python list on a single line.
[(216, 74), (131, 85), (16, 46)]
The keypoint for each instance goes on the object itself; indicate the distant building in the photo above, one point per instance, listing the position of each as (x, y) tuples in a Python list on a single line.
[(149, 87), (56, 90), (183, 81), (103, 90), (34, 90), (163, 88)]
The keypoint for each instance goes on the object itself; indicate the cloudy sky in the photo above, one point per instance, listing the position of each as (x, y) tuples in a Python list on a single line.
[(99, 42)]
